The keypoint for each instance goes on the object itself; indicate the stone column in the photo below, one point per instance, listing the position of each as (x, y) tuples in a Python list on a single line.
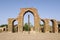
[(46, 25), (28, 23), (10, 25), (55, 26), (20, 24), (36, 24)]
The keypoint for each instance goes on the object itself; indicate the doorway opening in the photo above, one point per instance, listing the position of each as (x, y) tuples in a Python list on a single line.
[(42, 23), (28, 21), (15, 26)]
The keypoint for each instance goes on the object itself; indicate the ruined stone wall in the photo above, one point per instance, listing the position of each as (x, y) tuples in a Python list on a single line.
[(37, 20)]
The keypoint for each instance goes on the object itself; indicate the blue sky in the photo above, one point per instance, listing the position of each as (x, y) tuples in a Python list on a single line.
[(46, 8)]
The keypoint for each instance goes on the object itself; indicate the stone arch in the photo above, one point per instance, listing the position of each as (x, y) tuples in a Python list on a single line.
[(46, 25), (11, 24), (28, 16), (23, 12), (54, 25), (28, 11), (50, 26), (15, 26), (42, 25)]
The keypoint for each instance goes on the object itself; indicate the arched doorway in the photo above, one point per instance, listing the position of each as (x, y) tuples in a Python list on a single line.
[(14, 26), (21, 18), (42, 23), (45, 25), (54, 25), (28, 21), (50, 26)]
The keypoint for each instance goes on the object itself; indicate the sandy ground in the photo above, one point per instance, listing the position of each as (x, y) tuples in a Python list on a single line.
[(31, 36)]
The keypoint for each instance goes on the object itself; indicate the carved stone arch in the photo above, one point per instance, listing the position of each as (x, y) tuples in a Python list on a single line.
[(15, 26), (23, 12), (55, 25), (46, 25), (42, 25), (11, 24)]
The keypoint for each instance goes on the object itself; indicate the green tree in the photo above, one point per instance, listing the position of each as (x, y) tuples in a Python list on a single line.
[(4, 25), (26, 28)]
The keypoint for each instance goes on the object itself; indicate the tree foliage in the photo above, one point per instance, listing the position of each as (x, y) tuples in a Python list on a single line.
[(26, 28), (4, 25)]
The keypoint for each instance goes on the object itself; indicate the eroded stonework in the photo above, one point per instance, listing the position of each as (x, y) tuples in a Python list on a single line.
[(37, 20)]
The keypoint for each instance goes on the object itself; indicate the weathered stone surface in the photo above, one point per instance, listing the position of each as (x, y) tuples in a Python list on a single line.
[(55, 25), (46, 25), (20, 19), (37, 20)]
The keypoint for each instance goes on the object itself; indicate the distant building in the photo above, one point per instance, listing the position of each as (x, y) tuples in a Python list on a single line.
[(2, 29)]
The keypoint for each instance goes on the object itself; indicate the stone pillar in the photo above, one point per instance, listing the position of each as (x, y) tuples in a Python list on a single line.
[(46, 25), (10, 25), (28, 23), (20, 25), (37, 24), (55, 26)]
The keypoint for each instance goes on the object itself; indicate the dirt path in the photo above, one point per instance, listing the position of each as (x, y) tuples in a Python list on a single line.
[(31, 36)]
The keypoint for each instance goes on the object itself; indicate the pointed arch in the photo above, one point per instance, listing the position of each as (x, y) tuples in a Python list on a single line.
[(35, 14)]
